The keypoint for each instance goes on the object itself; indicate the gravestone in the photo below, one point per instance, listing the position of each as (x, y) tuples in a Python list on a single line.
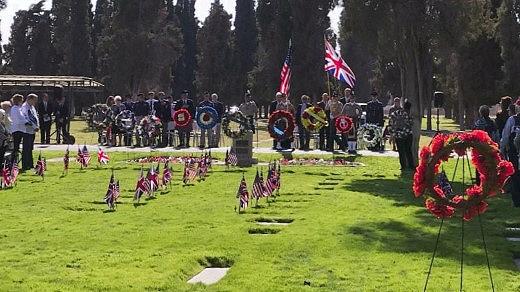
[(244, 149)]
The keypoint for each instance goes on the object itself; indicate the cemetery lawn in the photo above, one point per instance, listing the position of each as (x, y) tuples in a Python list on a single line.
[(354, 229)]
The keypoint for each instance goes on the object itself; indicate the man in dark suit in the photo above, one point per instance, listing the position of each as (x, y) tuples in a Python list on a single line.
[(140, 108), (325, 131), (184, 132), (305, 135), (164, 112), (45, 110), (375, 114), (62, 117)]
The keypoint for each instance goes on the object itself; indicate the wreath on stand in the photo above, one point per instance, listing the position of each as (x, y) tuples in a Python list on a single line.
[(240, 119), (281, 125), (314, 118), (206, 118), (485, 157), (370, 135), (400, 124), (182, 118), (344, 124)]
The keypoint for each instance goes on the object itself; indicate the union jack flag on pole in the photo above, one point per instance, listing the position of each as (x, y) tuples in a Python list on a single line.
[(167, 174), (336, 67), (112, 193), (153, 179), (285, 76), (103, 158), (142, 187)]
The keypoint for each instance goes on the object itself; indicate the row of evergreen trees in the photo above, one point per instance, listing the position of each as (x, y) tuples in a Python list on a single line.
[(140, 45)]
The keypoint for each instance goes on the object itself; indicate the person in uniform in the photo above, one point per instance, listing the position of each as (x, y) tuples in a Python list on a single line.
[(354, 111), (375, 115), (249, 109), (184, 133), (305, 135), (165, 115), (325, 131), (335, 108), (206, 102), (141, 108), (45, 109), (219, 107)]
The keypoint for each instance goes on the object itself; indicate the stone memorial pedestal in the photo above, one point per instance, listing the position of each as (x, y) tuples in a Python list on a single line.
[(244, 149)]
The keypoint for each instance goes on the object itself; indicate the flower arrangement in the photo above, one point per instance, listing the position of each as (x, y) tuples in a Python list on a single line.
[(182, 118), (281, 125), (370, 135), (206, 118), (238, 118), (344, 124), (318, 115)]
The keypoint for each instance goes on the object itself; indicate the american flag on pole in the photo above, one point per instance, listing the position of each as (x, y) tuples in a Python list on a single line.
[(102, 157), (83, 157), (258, 187), (15, 170), (6, 176), (243, 195), (285, 76), (336, 67), (40, 166), (142, 187), (167, 174), (112, 193), (66, 160)]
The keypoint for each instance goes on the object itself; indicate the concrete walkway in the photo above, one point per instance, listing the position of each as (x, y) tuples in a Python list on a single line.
[(94, 148)]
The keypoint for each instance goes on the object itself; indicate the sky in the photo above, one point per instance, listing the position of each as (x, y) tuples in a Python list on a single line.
[(201, 9)]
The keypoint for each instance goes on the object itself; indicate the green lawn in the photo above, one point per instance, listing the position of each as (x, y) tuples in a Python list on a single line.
[(354, 229)]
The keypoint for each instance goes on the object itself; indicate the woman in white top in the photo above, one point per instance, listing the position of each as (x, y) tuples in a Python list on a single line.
[(17, 123), (32, 126)]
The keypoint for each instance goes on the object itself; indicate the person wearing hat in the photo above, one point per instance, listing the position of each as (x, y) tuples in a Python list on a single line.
[(184, 133), (509, 150), (249, 109), (354, 111), (503, 114)]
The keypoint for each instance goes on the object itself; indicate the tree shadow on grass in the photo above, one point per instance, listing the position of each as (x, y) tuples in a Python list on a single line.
[(396, 189), (398, 237)]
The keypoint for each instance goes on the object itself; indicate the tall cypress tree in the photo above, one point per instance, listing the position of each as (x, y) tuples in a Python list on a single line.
[(245, 43), (310, 21), (61, 31), (100, 29), (274, 25), (81, 52), (214, 41), (3, 4), (509, 37), (41, 50), (184, 70), (17, 50)]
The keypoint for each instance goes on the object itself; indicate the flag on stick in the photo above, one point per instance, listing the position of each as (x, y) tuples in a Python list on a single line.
[(167, 174), (242, 195), (285, 76), (142, 187), (153, 180), (112, 193), (336, 67), (40, 166), (258, 187), (15, 170), (103, 158), (6, 176), (66, 160)]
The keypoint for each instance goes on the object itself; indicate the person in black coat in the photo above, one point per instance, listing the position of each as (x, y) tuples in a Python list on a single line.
[(305, 135), (184, 132), (375, 111), (45, 110), (325, 131), (165, 114), (62, 117), (140, 108)]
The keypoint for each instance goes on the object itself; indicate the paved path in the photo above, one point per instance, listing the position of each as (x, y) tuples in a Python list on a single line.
[(94, 148)]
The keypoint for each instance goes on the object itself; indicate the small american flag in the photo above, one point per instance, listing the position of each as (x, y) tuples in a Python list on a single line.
[(153, 179), (192, 170), (6, 176), (285, 76), (14, 171), (243, 194), (111, 195), (270, 185), (66, 160), (231, 157), (40, 166), (167, 174), (258, 186), (103, 158), (83, 157), (142, 187)]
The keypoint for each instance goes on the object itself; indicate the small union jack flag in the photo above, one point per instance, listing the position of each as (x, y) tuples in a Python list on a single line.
[(153, 179), (103, 158), (167, 174), (83, 157), (142, 187), (6, 177), (112, 193)]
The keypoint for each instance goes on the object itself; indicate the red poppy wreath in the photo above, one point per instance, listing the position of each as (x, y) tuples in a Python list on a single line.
[(485, 157)]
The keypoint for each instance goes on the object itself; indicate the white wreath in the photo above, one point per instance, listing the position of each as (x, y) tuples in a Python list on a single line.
[(370, 135)]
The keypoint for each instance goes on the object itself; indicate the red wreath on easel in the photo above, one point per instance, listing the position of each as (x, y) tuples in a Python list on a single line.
[(182, 118), (275, 118), (485, 156), (344, 124)]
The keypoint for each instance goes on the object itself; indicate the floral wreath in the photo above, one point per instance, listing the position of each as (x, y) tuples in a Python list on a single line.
[(318, 115), (485, 156), (344, 124), (125, 120), (275, 118), (400, 131), (370, 135), (206, 118), (182, 118), (239, 118), (149, 124)]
